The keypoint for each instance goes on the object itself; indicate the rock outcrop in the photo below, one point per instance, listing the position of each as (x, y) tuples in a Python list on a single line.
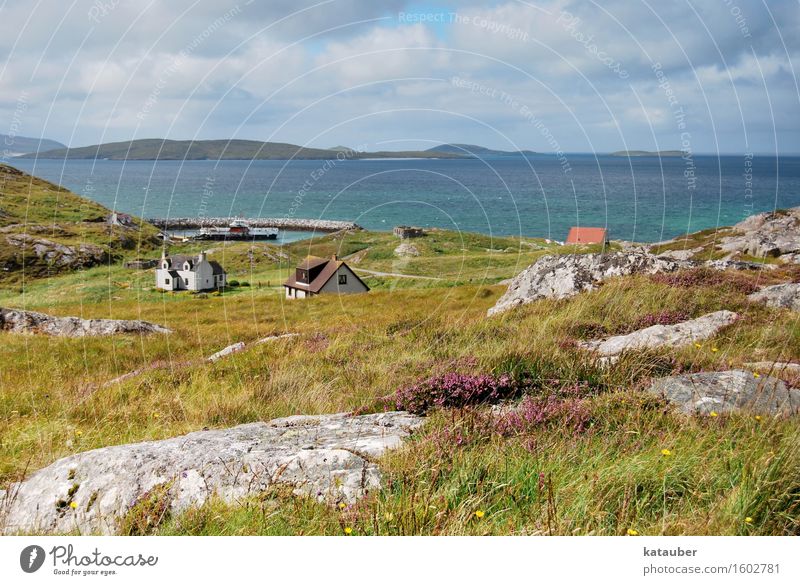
[(729, 391), (18, 321), (56, 255), (779, 296), (559, 277), (406, 250), (766, 234), (657, 336), (330, 458)]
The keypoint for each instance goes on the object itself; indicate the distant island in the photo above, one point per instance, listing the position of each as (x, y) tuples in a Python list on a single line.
[(158, 149), (16, 145), (477, 151), (659, 153)]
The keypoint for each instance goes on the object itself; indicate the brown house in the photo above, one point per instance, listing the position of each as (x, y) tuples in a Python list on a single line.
[(315, 276), (587, 235)]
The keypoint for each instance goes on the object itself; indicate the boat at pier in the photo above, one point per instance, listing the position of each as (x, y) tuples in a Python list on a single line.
[(238, 229)]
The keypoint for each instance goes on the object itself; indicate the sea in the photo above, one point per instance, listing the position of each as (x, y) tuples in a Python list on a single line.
[(643, 199)]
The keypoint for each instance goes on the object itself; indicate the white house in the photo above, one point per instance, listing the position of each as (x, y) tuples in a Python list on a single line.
[(189, 273), (322, 275)]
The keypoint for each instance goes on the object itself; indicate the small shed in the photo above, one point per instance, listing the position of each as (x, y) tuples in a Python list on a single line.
[(587, 235)]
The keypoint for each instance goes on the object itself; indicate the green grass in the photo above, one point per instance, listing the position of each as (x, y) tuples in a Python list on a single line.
[(354, 350), (42, 210)]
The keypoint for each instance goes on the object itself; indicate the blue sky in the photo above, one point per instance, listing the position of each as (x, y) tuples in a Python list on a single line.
[(575, 76)]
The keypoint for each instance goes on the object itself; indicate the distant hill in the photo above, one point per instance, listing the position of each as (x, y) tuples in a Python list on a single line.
[(475, 150), (158, 149), (659, 153), (22, 144)]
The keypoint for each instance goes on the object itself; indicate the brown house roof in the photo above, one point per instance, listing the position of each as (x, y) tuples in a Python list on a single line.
[(331, 267), (586, 235)]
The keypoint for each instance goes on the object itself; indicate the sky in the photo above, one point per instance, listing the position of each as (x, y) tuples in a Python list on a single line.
[(715, 76)]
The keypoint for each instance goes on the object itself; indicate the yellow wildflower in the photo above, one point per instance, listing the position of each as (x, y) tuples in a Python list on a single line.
[(748, 520), (479, 514), (756, 375), (389, 516), (632, 532), (666, 452), (348, 530), (712, 413), (758, 417), (715, 349), (342, 505), (78, 433), (73, 505), (698, 345)]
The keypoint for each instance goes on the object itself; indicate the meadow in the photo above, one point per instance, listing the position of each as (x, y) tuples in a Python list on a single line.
[(593, 464)]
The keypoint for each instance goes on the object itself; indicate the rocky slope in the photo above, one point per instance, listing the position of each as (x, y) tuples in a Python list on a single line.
[(46, 229), (563, 276)]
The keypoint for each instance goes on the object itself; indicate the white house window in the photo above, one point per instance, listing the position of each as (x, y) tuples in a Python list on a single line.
[(165, 265), (186, 281), (166, 281), (342, 279)]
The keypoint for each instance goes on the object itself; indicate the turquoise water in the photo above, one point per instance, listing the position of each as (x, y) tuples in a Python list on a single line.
[(644, 199)]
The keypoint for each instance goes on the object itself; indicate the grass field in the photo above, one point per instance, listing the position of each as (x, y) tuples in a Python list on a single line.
[(606, 478)]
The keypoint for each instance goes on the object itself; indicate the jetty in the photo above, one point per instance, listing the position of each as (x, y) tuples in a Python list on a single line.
[(281, 223)]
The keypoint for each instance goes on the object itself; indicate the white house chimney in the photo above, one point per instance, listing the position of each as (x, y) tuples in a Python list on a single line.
[(202, 256)]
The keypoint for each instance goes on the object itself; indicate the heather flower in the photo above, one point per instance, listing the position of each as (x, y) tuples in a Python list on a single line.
[(454, 390)]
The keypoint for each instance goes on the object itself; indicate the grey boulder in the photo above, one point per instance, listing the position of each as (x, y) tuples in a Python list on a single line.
[(663, 335), (563, 276), (779, 296), (728, 391), (329, 457), (19, 321)]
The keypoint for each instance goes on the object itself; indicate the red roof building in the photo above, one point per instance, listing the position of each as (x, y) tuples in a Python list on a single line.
[(587, 235)]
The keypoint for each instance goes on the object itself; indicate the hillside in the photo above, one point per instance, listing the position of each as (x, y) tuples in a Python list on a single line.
[(46, 229), (586, 452), (158, 149), (23, 144)]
